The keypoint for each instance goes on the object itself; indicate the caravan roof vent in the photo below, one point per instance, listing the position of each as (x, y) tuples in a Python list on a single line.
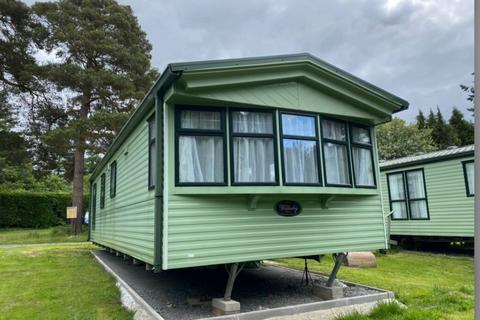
[(451, 147), (420, 153)]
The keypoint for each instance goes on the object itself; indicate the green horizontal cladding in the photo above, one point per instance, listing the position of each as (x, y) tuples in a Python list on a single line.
[(451, 211), (126, 223), (217, 229)]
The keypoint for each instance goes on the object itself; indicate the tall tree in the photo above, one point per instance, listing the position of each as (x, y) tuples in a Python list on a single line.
[(421, 120), (463, 129), (442, 133), (398, 139), (431, 121), (102, 64)]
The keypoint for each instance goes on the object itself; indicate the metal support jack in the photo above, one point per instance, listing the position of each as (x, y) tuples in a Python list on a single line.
[(306, 274), (233, 271), (227, 305), (339, 259)]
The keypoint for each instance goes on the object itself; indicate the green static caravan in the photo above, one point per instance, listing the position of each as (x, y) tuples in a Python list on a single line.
[(230, 161), (430, 196)]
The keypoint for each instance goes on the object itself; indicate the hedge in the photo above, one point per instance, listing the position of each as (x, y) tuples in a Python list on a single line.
[(23, 209)]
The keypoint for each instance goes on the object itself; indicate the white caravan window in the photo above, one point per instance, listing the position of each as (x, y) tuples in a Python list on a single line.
[(362, 155), (335, 153)]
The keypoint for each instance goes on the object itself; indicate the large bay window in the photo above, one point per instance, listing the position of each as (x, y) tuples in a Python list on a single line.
[(300, 149), (201, 146), (253, 147), (362, 156), (407, 193), (335, 153)]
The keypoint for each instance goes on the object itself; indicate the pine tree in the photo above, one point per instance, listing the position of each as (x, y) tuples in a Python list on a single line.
[(431, 121), (421, 120), (463, 129), (442, 133), (103, 63)]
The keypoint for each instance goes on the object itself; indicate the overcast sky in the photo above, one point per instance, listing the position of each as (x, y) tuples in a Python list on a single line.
[(419, 50)]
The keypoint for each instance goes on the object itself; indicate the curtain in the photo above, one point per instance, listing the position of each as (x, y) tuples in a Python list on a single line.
[(360, 135), (254, 159), (395, 184), (300, 161), (418, 209), (416, 190), (334, 130), (363, 166), (469, 168), (295, 125), (336, 163), (252, 122), (399, 210), (201, 159), (207, 120)]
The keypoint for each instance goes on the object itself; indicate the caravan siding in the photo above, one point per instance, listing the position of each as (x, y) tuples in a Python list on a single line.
[(451, 211), (126, 223)]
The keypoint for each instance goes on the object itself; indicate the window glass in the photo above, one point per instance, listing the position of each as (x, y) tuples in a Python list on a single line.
[(102, 191), (152, 152), (94, 206), (206, 120), (395, 183), (363, 166), (416, 188), (201, 159), (418, 209), (254, 160), (296, 125), (300, 161), (361, 135), (113, 179), (399, 210), (252, 122), (470, 176), (334, 130), (336, 163)]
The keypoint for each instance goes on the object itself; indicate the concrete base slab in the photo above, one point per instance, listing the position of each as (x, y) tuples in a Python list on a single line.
[(222, 307), (328, 293)]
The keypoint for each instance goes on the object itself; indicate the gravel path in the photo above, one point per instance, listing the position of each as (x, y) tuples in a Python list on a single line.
[(186, 293)]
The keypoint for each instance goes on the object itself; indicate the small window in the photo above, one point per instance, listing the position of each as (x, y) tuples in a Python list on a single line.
[(94, 206), (253, 147), (152, 152), (469, 173), (300, 150), (335, 153), (113, 179), (102, 191), (200, 146), (407, 193), (362, 156)]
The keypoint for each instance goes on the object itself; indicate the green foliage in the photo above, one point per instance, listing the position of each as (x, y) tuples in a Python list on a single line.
[(421, 120), (463, 129), (23, 209), (60, 233), (398, 139), (442, 134)]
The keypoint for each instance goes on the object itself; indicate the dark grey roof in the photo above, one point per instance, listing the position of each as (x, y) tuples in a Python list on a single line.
[(453, 152)]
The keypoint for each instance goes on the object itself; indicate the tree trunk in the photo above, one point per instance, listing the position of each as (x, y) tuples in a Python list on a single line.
[(79, 168)]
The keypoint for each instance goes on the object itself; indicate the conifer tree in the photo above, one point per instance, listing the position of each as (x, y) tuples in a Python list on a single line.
[(463, 129), (420, 120)]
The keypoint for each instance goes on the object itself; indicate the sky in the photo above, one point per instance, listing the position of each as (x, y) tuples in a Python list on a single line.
[(419, 50)]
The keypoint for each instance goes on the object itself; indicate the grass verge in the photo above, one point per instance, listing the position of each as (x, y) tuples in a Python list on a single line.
[(53, 234), (56, 282), (433, 286)]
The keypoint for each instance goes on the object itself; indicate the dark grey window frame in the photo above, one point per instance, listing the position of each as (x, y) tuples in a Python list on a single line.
[(113, 179), (303, 138), (465, 177), (102, 190), (94, 206), (368, 146), (345, 143), (407, 194), (272, 136), (179, 131), (152, 145)]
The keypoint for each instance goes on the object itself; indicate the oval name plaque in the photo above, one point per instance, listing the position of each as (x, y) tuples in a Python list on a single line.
[(288, 208)]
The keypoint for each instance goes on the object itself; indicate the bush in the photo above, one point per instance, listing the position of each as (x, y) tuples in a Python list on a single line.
[(23, 209)]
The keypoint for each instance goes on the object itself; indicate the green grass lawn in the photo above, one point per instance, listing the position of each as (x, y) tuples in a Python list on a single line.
[(54, 234), (56, 282), (432, 286)]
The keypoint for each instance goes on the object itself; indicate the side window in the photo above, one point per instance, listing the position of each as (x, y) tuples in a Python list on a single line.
[(362, 156), (408, 197), (469, 173), (93, 217), (113, 179), (300, 149), (253, 147), (335, 153), (152, 151), (102, 191)]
